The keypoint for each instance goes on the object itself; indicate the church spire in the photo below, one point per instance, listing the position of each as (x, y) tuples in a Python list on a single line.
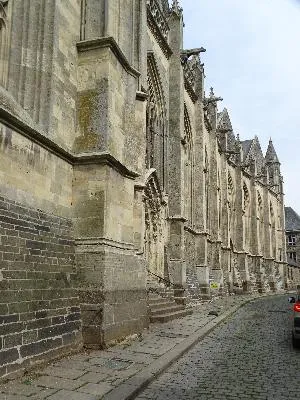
[(271, 156)]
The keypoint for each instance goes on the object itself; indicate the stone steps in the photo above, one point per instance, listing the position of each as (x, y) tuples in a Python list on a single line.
[(163, 309), (169, 316), (162, 304), (159, 303)]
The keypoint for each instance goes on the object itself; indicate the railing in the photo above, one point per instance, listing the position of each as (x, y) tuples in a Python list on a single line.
[(160, 279)]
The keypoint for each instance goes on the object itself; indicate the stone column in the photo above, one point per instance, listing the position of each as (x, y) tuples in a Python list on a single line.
[(201, 234), (107, 197), (239, 229), (224, 233), (268, 260), (283, 262), (254, 230)]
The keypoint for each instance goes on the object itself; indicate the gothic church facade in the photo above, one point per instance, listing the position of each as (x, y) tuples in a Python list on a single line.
[(118, 173)]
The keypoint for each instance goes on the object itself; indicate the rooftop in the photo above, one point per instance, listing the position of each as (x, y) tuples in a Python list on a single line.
[(292, 220)]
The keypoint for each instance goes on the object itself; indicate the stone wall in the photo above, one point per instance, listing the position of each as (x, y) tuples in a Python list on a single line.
[(39, 309), (293, 277), (105, 125)]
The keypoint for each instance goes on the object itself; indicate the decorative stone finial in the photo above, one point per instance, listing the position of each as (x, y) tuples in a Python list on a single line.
[(212, 98), (271, 156), (176, 7)]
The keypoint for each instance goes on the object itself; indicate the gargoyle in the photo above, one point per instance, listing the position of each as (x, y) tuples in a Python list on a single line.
[(186, 54)]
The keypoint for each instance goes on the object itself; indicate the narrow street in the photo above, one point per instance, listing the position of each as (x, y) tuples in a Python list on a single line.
[(249, 356)]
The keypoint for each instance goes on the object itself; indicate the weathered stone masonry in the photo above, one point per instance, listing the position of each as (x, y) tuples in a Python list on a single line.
[(39, 307), (118, 172)]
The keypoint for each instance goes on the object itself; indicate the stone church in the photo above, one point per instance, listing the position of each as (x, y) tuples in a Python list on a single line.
[(119, 178)]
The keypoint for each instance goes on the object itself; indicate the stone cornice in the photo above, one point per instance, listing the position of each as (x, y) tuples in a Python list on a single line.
[(292, 230), (154, 28), (90, 245), (195, 231), (103, 158), (288, 265), (139, 186), (227, 248), (141, 96), (38, 137), (109, 42), (179, 218)]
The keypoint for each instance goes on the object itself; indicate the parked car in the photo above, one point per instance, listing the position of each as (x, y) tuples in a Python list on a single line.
[(296, 320)]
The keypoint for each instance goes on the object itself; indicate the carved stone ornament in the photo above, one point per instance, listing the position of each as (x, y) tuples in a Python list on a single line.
[(159, 17), (3, 15)]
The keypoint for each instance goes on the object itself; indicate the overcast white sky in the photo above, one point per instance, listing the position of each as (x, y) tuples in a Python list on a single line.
[(253, 62)]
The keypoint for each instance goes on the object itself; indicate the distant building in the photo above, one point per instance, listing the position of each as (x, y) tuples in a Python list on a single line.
[(292, 229)]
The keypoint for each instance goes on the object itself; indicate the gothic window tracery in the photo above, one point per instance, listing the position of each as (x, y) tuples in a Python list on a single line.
[(273, 230), (154, 226), (158, 13), (230, 185), (3, 13), (156, 124), (230, 200), (246, 198), (246, 216), (219, 202), (4, 40), (206, 184), (188, 167), (260, 219)]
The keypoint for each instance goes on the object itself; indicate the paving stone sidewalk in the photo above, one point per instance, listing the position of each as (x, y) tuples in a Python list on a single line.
[(121, 371)]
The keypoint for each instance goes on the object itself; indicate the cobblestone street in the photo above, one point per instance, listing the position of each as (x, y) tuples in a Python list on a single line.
[(243, 353), (250, 356)]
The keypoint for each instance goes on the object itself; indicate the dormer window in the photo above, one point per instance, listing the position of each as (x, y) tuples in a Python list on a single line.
[(292, 240)]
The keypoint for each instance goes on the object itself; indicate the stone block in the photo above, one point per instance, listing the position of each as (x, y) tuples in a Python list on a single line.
[(9, 356), (98, 389)]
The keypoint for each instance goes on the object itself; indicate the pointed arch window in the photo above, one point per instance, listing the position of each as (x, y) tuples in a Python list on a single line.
[(219, 200), (5, 17), (260, 220), (156, 134), (188, 167), (206, 184), (273, 230), (230, 200), (246, 216)]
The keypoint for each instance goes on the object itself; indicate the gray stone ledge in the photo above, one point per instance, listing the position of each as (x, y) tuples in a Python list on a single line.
[(88, 244), (178, 218), (26, 127), (141, 96), (100, 43), (195, 231)]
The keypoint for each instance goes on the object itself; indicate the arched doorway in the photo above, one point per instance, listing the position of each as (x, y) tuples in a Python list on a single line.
[(155, 226)]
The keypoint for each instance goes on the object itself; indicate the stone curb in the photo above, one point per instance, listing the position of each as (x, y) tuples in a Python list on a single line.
[(134, 385)]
